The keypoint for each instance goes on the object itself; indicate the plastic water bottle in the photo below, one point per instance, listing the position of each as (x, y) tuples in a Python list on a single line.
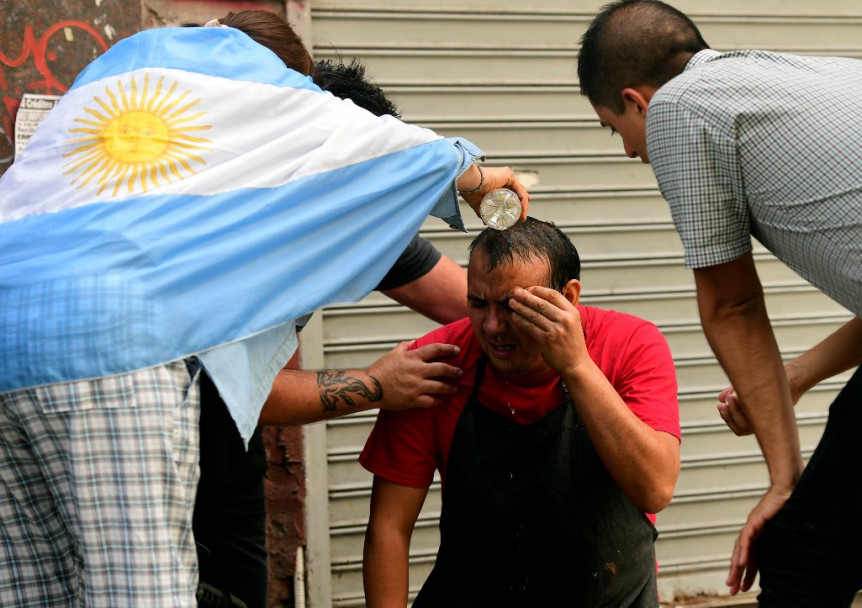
[(500, 209)]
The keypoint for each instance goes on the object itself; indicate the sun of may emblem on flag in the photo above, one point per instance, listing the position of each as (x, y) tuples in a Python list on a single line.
[(137, 138)]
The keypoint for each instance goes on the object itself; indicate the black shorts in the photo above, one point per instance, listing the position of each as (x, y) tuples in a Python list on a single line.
[(229, 520), (810, 554)]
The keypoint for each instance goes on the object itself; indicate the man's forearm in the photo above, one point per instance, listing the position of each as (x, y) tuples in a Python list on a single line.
[(742, 339), (385, 569), (841, 351), (394, 509), (644, 462), (302, 397), (402, 378)]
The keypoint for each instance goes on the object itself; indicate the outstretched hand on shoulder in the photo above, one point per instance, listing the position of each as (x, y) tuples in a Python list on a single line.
[(416, 378)]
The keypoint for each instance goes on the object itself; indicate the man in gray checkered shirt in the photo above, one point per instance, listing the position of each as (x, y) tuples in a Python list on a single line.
[(752, 143)]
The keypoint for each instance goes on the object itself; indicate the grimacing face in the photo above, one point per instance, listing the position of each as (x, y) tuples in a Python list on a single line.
[(509, 349)]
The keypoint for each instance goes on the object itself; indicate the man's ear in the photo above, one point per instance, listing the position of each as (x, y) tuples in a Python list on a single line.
[(572, 291), (638, 97)]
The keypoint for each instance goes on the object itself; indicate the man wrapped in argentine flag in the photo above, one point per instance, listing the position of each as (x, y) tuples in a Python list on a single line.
[(185, 201)]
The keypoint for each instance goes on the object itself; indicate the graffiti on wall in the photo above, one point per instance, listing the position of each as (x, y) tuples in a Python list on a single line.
[(46, 63)]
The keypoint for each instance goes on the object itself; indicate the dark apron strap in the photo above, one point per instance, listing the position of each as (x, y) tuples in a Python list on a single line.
[(478, 378)]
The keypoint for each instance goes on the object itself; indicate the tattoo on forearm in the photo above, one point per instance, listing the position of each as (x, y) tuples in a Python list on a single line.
[(337, 387)]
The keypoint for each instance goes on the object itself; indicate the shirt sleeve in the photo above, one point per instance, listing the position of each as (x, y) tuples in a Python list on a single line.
[(696, 166), (648, 382), (414, 262), (401, 447), (447, 208)]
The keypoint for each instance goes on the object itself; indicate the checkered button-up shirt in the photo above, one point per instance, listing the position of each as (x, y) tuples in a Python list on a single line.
[(752, 143)]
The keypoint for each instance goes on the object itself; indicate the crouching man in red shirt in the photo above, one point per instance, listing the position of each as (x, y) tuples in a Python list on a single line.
[(559, 446)]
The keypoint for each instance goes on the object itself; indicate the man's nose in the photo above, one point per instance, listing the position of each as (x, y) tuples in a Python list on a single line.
[(495, 322), (630, 151)]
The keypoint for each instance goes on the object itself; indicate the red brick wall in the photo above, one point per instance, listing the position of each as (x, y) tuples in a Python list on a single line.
[(285, 496)]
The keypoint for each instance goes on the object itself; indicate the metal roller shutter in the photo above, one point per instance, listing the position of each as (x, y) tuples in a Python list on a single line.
[(502, 73)]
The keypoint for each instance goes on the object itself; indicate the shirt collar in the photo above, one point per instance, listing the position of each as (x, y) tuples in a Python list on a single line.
[(702, 57)]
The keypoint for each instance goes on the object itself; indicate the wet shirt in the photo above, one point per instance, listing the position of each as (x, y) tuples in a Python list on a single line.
[(406, 447)]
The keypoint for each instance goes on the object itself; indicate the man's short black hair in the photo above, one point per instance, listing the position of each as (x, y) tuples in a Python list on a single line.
[(631, 43), (349, 81), (531, 239)]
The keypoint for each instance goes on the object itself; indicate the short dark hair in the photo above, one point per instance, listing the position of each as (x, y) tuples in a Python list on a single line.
[(531, 239), (631, 43), (276, 34), (349, 81)]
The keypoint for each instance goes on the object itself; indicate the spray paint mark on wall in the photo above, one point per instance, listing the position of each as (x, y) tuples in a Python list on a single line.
[(46, 64)]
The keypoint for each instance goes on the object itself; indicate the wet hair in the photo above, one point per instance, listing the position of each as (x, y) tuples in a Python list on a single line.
[(529, 240), (349, 81), (631, 43), (276, 34)]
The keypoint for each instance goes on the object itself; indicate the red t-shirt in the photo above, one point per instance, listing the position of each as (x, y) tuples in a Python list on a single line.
[(405, 447)]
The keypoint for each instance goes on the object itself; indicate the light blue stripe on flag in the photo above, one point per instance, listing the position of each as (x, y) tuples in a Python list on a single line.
[(224, 52), (109, 287)]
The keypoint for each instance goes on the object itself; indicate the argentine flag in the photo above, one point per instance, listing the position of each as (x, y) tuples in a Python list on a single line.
[(190, 195)]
